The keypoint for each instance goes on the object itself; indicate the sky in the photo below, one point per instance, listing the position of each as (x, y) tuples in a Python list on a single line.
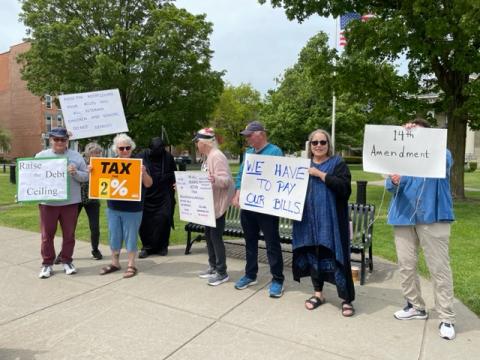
[(253, 43)]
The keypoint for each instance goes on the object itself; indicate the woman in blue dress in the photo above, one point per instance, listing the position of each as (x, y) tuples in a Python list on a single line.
[(321, 241)]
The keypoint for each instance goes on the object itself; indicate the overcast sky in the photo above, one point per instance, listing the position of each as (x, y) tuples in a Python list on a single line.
[(254, 43)]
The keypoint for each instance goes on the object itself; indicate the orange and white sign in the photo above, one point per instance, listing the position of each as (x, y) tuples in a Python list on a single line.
[(115, 179)]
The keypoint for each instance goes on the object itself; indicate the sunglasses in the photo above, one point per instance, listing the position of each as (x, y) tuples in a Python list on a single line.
[(317, 142), (59, 139), (124, 148)]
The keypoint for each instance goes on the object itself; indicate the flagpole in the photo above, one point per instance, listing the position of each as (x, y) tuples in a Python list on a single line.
[(334, 99)]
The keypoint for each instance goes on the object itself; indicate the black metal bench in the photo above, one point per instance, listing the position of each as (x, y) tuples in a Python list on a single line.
[(361, 216)]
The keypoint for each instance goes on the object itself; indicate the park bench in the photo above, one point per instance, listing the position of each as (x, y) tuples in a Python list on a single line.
[(361, 216)]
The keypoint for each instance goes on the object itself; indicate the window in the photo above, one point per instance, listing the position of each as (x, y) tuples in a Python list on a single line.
[(48, 101), (48, 122)]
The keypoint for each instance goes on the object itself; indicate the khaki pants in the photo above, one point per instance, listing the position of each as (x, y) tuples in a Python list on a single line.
[(434, 239)]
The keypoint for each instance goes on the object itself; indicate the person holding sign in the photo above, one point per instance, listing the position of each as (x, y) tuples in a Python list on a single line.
[(64, 212), (216, 165), (254, 222), (421, 211), (159, 205), (124, 217), (321, 240)]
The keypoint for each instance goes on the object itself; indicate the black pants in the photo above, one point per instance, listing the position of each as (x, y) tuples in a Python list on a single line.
[(155, 231), (93, 213), (216, 248), (252, 224)]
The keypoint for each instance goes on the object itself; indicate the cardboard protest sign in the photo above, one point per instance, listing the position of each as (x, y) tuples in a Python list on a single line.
[(396, 150), (115, 179), (274, 185), (93, 114), (42, 179), (195, 197)]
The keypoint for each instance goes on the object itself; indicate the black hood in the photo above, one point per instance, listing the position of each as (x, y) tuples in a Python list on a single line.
[(157, 147)]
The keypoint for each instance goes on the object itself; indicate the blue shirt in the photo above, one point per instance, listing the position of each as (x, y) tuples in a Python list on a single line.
[(418, 200), (268, 149)]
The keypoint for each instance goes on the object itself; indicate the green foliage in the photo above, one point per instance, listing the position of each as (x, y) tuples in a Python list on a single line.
[(440, 40), (353, 159), (5, 140), (158, 56), (238, 105), (472, 165)]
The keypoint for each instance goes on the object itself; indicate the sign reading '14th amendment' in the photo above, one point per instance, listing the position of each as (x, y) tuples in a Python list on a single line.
[(195, 197), (274, 185), (93, 114), (44, 179), (396, 150)]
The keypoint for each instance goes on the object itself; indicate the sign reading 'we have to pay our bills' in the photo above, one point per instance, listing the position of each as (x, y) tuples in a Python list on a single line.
[(93, 114), (274, 185), (396, 150)]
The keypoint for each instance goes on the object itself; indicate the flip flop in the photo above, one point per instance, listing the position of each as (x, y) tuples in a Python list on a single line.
[(130, 272), (109, 269), (315, 301), (347, 309)]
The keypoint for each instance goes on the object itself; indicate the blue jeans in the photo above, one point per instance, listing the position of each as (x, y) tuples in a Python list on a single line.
[(252, 224), (123, 225)]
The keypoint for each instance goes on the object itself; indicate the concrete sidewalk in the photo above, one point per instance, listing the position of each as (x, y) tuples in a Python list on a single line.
[(167, 312)]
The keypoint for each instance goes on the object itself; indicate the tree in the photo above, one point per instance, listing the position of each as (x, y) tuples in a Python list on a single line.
[(158, 56), (4, 140), (238, 105), (441, 41)]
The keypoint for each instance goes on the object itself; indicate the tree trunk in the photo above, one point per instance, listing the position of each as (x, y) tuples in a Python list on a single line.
[(457, 134)]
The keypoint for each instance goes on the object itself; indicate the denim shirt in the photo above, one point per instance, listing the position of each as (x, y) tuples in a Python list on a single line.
[(268, 149), (421, 200)]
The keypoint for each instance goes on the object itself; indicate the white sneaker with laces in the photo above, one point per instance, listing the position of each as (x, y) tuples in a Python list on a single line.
[(69, 269), (207, 274), (446, 330), (410, 313), (46, 272)]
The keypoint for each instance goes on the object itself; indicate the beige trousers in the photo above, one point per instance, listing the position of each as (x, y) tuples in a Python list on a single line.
[(434, 239)]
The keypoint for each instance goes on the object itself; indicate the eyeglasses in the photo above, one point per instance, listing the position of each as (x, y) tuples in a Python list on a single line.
[(124, 148), (60, 139), (317, 142)]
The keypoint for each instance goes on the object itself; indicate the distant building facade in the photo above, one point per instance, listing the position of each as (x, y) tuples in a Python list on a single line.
[(26, 117)]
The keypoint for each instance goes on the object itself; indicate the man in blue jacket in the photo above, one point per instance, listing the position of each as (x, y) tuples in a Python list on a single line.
[(253, 222), (421, 211)]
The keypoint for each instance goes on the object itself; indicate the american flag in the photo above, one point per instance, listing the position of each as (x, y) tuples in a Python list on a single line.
[(345, 20)]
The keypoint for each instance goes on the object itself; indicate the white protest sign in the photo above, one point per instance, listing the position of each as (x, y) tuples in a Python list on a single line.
[(42, 179), (195, 197), (274, 185), (93, 114), (414, 152)]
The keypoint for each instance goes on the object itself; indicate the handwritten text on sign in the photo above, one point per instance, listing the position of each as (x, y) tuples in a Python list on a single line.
[(396, 150), (274, 185), (115, 179), (93, 114), (44, 179), (195, 197)]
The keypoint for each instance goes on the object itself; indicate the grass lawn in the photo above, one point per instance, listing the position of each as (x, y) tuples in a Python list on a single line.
[(464, 249)]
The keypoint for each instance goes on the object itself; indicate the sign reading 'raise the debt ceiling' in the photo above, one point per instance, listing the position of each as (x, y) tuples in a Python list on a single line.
[(397, 150)]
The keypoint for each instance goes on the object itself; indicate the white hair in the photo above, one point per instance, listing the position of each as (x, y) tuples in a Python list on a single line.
[(122, 138)]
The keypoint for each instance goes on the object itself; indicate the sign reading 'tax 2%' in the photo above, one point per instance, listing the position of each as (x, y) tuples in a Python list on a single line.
[(115, 179)]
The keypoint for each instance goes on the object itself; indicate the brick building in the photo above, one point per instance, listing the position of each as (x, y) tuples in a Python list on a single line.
[(25, 116)]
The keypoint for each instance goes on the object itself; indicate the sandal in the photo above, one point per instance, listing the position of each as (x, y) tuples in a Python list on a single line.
[(347, 309), (109, 269), (315, 301), (131, 272)]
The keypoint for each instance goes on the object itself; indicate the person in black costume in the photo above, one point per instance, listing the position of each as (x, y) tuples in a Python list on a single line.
[(159, 205)]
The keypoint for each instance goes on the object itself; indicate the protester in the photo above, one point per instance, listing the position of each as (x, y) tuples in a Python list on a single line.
[(321, 241), (159, 204), (63, 212), (216, 165), (421, 212), (253, 222), (92, 206), (124, 217)]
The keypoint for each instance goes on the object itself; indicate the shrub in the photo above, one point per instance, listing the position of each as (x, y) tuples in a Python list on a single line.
[(472, 165), (353, 159)]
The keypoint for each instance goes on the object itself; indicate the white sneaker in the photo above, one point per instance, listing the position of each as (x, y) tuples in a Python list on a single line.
[(69, 269), (207, 274), (410, 313), (46, 272), (218, 279), (446, 330)]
